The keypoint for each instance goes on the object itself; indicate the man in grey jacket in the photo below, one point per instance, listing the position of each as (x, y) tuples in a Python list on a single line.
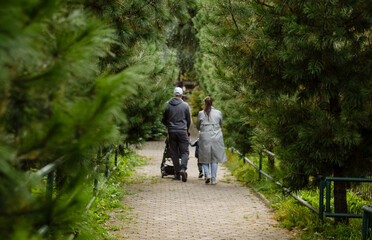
[(177, 119)]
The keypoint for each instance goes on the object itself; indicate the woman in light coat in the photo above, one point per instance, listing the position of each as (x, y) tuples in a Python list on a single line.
[(211, 146)]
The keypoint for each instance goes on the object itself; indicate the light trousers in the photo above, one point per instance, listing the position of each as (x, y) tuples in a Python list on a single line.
[(214, 167)]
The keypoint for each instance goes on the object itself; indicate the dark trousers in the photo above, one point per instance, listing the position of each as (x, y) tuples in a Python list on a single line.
[(179, 146)]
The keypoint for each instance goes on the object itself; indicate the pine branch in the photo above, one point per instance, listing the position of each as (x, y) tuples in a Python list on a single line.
[(35, 13), (237, 27), (264, 4), (150, 2)]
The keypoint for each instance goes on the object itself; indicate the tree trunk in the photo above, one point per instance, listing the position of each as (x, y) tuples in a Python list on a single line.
[(339, 186), (340, 195)]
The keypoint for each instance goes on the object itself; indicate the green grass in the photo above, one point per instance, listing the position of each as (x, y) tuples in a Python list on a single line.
[(291, 214), (110, 194)]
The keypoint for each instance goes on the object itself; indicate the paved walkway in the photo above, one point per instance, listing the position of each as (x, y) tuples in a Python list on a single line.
[(168, 209)]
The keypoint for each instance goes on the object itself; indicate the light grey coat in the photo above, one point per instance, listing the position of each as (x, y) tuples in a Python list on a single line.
[(211, 146)]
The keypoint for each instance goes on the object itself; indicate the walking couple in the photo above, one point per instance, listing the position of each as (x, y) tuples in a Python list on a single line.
[(177, 119)]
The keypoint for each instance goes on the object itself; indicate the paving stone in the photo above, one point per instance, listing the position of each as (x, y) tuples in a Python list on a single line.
[(168, 209)]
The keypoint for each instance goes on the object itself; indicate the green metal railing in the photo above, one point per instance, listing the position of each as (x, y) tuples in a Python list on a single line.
[(284, 189), (325, 183), (50, 169), (367, 223)]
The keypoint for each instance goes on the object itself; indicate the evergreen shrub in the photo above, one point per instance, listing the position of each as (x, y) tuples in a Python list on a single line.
[(196, 101), (294, 77)]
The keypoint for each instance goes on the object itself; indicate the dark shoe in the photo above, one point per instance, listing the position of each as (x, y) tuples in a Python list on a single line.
[(207, 180), (183, 174), (176, 177), (200, 174)]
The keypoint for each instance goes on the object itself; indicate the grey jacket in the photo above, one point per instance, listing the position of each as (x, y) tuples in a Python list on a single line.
[(211, 146), (177, 116)]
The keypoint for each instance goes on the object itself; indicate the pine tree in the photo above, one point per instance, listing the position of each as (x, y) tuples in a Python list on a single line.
[(140, 28), (55, 105), (182, 37), (324, 57), (157, 70), (220, 69), (71, 84), (304, 70)]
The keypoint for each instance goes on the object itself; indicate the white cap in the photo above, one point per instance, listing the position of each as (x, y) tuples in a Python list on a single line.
[(178, 91)]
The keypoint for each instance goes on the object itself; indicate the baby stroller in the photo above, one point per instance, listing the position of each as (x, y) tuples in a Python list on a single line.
[(166, 166)]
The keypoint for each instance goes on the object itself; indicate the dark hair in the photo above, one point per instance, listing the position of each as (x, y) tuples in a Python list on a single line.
[(208, 105)]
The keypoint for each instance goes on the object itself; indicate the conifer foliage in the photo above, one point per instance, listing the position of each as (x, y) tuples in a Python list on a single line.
[(182, 37), (139, 33), (302, 73), (54, 105), (71, 73)]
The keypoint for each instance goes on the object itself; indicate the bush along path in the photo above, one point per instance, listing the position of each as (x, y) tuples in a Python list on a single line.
[(162, 208)]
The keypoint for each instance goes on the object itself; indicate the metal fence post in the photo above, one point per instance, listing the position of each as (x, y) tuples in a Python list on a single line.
[(107, 170), (321, 198), (328, 196), (364, 225), (367, 223), (260, 167), (107, 156), (116, 157), (95, 185), (50, 185)]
